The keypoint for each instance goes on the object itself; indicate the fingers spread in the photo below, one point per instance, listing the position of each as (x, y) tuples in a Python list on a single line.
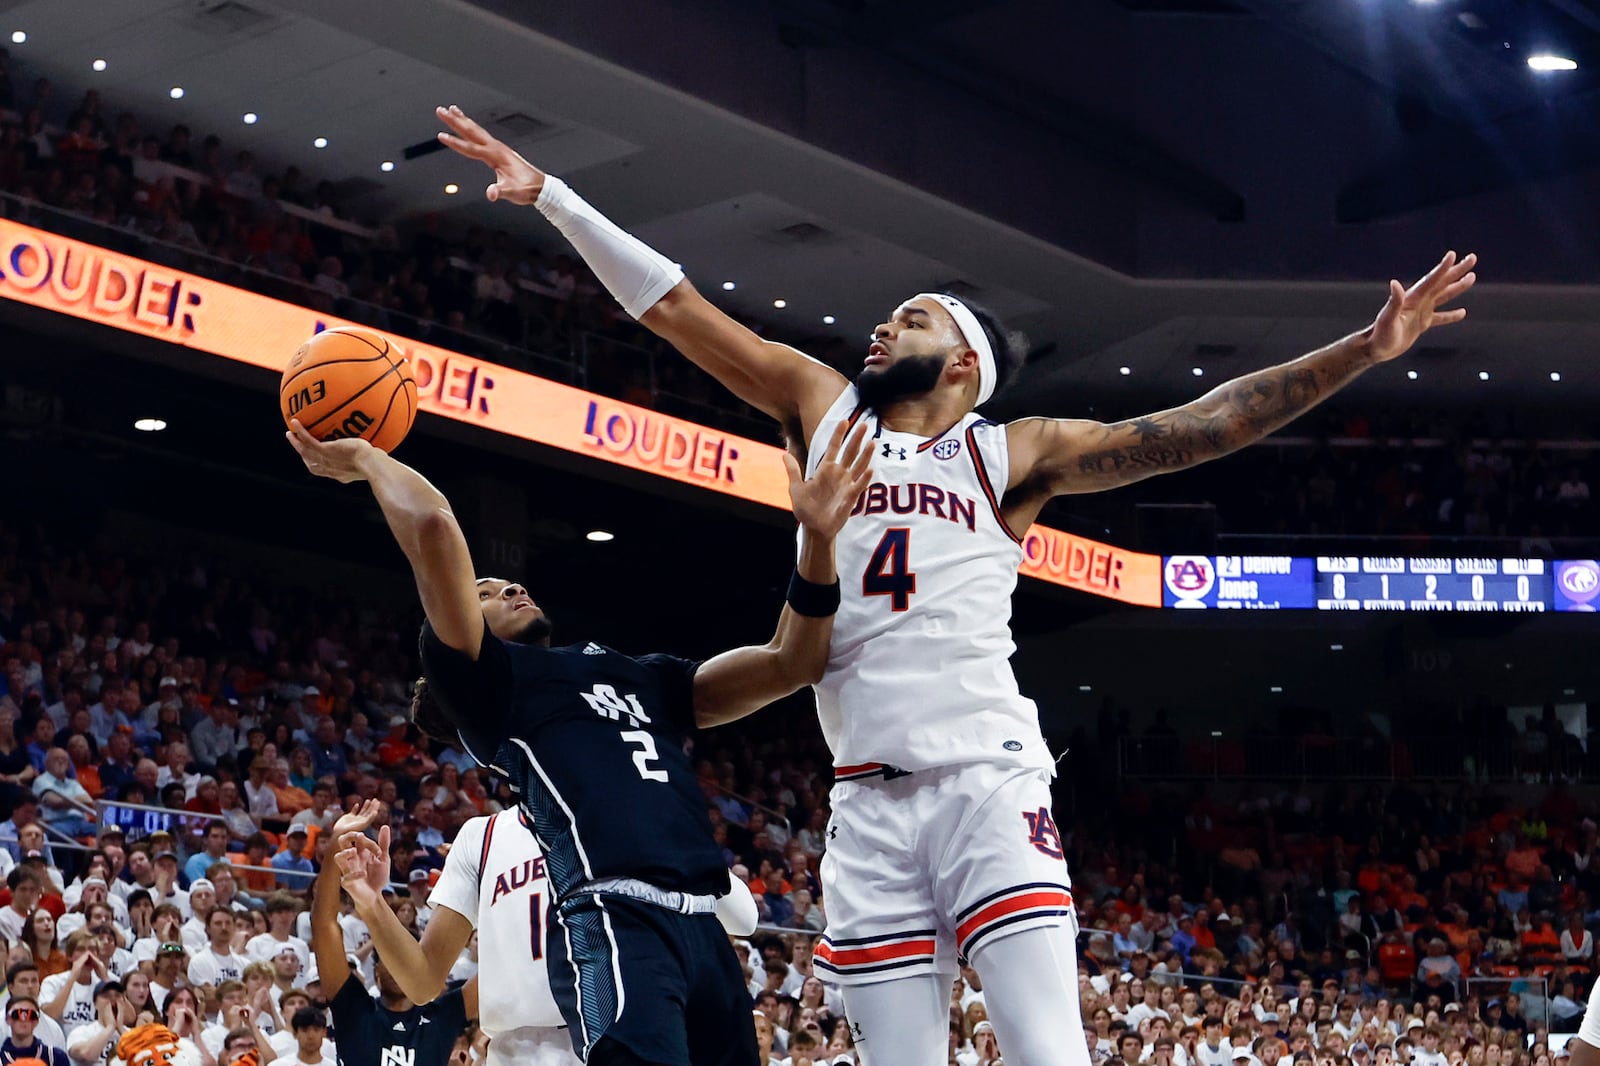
[(793, 469)]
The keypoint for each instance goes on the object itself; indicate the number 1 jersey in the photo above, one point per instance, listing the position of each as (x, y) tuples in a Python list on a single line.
[(919, 672)]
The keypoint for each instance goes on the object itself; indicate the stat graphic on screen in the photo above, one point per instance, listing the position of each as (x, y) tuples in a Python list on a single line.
[(1377, 583)]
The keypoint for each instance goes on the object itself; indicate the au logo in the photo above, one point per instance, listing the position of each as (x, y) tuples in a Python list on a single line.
[(1189, 578), (947, 449)]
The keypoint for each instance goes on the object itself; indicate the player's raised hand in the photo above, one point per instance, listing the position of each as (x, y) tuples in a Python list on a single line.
[(515, 179), (1412, 312), (823, 501), (363, 866), (358, 820), (339, 459)]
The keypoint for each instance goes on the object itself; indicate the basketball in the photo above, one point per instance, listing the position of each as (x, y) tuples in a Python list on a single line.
[(350, 382)]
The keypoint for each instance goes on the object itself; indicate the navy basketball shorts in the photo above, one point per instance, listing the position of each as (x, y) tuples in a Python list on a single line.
[(665, 985)]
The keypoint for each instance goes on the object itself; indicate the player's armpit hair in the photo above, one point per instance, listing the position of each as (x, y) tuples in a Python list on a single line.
[(1010, 347)]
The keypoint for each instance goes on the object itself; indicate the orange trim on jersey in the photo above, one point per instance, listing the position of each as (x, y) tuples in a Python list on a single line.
[(931, 441), (840, 958), (483, 857), (1049, 899), (855, 416), (988, 489), (863, 768)]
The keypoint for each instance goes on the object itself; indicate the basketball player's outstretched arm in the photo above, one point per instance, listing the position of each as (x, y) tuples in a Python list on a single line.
[(420, 969), (744, 680), (327, 938), (420, 518), (775, 378), (1054, 456)]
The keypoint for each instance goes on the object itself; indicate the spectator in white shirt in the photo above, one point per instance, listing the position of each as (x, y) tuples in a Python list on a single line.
[(282, 909), (1577, 943), (22, 979), (215, 735), (217, 962), (26, 888), (263, 802), (176, 770), (69, 997), (310, 1030)]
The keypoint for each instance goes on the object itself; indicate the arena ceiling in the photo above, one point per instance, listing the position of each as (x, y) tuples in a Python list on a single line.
[(1156, 184)]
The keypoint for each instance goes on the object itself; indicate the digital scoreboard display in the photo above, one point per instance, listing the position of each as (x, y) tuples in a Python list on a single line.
[(1351, 583), (1372, 583)]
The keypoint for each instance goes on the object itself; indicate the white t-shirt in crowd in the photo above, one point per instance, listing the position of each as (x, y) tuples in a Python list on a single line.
[(80, 1004), (264, 947), (210, 968)]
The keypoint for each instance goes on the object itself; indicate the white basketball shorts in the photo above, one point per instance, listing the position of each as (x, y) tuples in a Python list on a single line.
[(923, 867), (531, 1046)]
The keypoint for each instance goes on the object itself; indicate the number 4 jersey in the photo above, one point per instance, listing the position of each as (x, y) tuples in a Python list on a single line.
[(919, 673)]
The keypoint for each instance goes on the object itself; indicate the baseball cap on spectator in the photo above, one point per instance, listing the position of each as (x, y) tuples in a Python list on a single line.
[(982, 1027), (170, 947), (1223, 917), (165, 853), (397, 720), (310, 690), (1269, 1016), (418, 874), (1452, 1008), (96, 881), (168, 681), (1241, 1052), (1360, 1048), (1352, 955), (201, 883), (1493, 1003), (103, 987), (297, 830), (1418, 1023)]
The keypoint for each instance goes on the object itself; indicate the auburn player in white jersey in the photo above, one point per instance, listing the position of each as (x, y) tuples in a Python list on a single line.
[(493, 881), (941, 840)]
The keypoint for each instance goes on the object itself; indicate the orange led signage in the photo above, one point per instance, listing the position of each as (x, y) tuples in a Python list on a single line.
[(98, 285)]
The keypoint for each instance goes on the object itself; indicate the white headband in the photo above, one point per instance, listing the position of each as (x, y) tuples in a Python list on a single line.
[(972, 333)]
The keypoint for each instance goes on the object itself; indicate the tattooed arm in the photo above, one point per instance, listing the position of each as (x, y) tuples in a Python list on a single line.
[(1051, 457)]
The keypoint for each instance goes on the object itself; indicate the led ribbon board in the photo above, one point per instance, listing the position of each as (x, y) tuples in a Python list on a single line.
[(92, 283)]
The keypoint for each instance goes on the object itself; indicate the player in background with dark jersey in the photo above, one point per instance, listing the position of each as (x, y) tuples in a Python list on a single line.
[(591, 742), (936, 751), (391, 1029)]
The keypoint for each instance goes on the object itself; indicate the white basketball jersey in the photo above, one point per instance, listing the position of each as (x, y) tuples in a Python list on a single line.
[(919, 672), (494, 878)]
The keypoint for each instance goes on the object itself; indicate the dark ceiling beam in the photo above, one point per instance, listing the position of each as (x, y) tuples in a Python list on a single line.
[(821, 23), (1448, 162)]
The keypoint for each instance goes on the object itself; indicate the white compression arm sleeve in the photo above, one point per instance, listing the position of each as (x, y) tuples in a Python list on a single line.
[(633, 272)]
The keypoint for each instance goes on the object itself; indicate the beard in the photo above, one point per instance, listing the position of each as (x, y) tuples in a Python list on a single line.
[(913, 375), (537, 631)]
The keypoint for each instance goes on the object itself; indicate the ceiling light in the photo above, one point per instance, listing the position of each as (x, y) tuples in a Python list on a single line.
[(1275, 688), (150, 425), (176, 92), (251, 118), (827, 320), (728, 286), (386, 166), (1197, 372), (1336, 647), (780, 304), (599, 536), (452, 189), (1085, 688), (1544, 61), (1555, 375), (18, 37), (1412, 375), (1569, 692), (320, 142), (1124, 370), (1483, 375), (1216, 732), (98, 64)]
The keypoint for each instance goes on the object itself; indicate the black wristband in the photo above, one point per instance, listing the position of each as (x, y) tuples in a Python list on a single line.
[(811, 599)]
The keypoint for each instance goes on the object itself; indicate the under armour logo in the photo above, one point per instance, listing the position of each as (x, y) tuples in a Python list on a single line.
[(592, 648), (833, 832), (891, 451), (855, 1030)]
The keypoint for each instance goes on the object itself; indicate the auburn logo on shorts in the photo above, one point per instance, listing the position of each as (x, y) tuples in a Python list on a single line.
[(1042, 832)]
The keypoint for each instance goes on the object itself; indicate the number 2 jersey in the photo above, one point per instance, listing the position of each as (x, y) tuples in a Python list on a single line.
[(591, 742), (919, 672)]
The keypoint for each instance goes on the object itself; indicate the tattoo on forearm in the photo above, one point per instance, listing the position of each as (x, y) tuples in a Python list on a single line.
[(1234, 414)]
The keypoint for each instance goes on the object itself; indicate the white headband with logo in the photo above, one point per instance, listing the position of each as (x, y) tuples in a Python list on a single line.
[(972, 333)]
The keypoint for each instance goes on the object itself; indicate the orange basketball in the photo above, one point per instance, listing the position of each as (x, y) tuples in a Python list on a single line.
[(350, 382)]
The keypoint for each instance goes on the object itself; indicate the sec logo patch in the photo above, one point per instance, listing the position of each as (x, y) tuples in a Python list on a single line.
[(947, 449)]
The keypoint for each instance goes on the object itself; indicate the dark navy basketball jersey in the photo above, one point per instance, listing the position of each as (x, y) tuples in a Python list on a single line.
[(592, 744)]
